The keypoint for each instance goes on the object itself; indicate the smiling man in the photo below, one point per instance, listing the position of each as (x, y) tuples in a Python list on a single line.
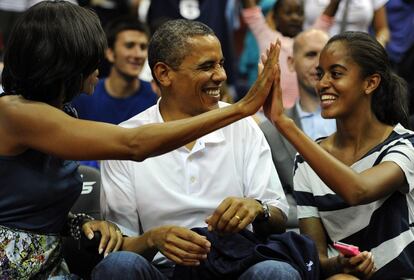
[(224, 181), (122, 94)]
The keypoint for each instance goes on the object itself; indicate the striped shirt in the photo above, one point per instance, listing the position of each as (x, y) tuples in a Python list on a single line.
[(385, 227)]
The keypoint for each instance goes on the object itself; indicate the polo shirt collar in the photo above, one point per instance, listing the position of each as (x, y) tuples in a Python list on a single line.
[(216, 136)]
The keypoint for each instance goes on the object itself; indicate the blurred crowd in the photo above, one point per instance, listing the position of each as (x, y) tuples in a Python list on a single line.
[(391, 21)]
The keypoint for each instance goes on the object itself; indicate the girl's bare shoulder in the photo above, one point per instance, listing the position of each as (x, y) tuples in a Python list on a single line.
[(327, 143)]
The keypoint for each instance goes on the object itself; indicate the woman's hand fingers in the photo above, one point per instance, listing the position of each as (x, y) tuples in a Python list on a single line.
[(111, 236), (258, 93)]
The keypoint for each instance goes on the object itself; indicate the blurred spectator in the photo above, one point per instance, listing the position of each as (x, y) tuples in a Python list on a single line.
[(250, 55), (10, 10), (122, 94), (352, 15), (288, 16), (110, 9), (400, 48)]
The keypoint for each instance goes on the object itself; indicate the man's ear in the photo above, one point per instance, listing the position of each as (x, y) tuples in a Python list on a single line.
[(371, 83), (291, 63), (110, 56), (163, 74)]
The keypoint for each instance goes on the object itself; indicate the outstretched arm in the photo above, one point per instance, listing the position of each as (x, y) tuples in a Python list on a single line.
[(256, 22), (355, 188), (25, 124), (332, 8), (249, 3), (327, 18), (382, 32)]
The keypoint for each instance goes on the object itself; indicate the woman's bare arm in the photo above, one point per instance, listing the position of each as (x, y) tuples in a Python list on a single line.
[(27, 124)]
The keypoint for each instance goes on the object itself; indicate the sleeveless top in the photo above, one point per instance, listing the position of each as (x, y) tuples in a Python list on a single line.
[(37, 191)]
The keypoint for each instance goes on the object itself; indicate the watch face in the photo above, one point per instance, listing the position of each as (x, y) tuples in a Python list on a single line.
[(266, 211)]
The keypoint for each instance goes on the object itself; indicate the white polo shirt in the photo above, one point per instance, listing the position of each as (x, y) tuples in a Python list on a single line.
[(184, 187)]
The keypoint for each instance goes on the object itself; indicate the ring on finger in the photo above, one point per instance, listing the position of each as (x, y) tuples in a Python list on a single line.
[(238, 218)]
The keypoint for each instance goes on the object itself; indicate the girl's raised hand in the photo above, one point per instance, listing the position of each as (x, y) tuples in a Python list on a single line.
[(260, 90), (273, 106)]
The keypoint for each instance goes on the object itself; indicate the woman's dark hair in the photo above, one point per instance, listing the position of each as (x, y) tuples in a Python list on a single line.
[(53, 47), (390, 101)]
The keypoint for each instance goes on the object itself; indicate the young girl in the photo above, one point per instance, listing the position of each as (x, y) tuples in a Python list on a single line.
[(356, 185)]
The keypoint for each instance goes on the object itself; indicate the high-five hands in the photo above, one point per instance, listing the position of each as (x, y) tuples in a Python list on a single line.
[(258, 93), (273, 106)]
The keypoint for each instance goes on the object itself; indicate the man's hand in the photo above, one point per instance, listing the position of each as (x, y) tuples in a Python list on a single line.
[(273, 106), (234, 214), (180, 245)]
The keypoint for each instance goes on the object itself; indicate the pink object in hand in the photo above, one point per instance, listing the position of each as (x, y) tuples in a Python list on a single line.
[(346, 249)]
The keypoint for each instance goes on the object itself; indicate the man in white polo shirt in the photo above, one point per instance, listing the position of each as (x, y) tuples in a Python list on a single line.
[(225, 180)]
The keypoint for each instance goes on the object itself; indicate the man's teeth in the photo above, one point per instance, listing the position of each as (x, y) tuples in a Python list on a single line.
[(214, 92), (328, 97)]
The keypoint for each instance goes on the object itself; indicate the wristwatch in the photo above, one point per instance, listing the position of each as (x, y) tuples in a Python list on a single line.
[(266, 212)]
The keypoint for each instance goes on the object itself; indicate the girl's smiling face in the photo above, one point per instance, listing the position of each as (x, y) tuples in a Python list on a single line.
[(341, 86)]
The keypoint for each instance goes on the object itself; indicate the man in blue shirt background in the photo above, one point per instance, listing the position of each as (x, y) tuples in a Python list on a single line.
[(122, 94)]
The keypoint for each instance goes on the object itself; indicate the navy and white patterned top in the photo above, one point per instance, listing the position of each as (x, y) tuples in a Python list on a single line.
[(386, 226)]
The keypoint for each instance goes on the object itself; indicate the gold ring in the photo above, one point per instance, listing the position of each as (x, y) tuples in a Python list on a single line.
[(237, 217)]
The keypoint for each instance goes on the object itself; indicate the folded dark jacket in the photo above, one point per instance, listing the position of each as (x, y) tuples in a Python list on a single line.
[(231, 255)]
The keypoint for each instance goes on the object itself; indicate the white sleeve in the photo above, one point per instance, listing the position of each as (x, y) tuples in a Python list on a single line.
[(260, 177), (403, 155), (303, 191), (118, 203), (378, 4)]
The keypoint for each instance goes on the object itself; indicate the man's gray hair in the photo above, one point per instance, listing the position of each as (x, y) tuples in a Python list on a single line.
[(169, 44)]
